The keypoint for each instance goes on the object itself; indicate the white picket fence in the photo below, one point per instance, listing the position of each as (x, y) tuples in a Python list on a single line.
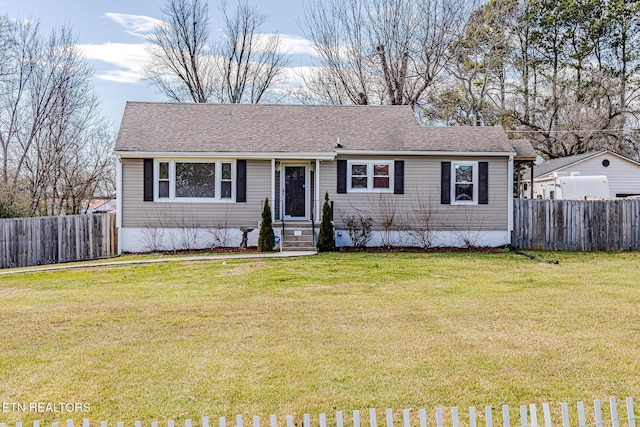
[(529, 417)]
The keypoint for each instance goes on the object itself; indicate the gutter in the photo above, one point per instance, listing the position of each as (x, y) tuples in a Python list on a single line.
[(308, 155)]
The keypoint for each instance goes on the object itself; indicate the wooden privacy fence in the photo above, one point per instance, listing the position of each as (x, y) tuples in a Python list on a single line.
[(55, 239), (602, 225), (528, 417)]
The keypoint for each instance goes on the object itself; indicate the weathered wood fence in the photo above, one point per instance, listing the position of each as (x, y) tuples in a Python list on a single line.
[(51, 240), (603, 225), (528, 417)]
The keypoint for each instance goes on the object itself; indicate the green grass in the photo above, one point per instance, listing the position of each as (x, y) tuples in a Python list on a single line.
[(319, 334)]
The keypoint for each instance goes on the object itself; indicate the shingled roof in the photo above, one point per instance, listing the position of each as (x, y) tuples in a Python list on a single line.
[(247, 128), (524, 150), (552, 165)]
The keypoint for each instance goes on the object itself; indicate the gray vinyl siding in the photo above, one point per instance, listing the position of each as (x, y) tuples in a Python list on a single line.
[(422, 189), (139, 214)]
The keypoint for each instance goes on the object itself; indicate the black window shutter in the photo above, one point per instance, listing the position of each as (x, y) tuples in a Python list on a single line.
[(445, 183), (483, 183), (148, 180), (398, 177), (342, 177), (241, 181)]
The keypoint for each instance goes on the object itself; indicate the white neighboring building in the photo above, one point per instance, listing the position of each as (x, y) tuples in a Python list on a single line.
[(623, 174)]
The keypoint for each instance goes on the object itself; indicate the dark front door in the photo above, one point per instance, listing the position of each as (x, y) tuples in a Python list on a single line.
[(295, 192)]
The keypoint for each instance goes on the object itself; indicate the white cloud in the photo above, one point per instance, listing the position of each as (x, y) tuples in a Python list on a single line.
[(298, 75), (297, 45), (135, 25), (128, 58)]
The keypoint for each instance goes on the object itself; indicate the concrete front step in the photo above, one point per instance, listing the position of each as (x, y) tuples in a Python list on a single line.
[(298, 239)]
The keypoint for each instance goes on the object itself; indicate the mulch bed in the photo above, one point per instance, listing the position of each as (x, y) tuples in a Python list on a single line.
[(254, 249)]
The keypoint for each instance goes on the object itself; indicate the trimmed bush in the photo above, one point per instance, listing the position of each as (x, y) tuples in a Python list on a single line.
[(326, 236), (266, 238)]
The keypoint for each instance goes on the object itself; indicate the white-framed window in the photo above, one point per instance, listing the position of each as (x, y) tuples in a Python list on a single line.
[(164, 181), (370, 175), (464, 183), (195, 180)]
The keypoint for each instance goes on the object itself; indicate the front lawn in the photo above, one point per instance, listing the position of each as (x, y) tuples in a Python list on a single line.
[(319, 334)]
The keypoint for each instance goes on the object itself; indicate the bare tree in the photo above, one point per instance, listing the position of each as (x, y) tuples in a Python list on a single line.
[(181, 65), (49, 119), (381, 51), (251, 62), (188, 65)]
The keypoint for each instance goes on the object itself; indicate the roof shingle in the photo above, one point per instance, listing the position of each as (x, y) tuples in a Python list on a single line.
[(250, 128)]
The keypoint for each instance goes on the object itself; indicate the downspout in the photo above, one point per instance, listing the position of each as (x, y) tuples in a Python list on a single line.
[(273, 188), (510, 196), (119, 202), (317, 195), (273, 199), (532, 164)]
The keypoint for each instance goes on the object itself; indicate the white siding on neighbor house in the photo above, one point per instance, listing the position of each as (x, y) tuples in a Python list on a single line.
[(137, 213), (422, 192), (623, 175)]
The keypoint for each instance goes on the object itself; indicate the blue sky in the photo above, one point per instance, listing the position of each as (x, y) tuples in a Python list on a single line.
[(110, 35)]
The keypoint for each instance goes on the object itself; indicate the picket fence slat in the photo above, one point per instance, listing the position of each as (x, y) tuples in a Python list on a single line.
[(547, 414), (406, 421), (585, 225), (631, 413), (506, 420), (523, 416), (455, 417), (389, 415), (598, 413), (614, 412), (27, 242), (565, 415), (534, 415), (582, 420), (423, 417)]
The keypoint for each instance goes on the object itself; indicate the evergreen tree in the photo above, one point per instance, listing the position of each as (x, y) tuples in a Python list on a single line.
[(326, 237), (266, 238)]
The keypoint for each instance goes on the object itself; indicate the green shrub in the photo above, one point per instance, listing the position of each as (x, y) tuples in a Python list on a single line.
[(266, 238), (326, 236)]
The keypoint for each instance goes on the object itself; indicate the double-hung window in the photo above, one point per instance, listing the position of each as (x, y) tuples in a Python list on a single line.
[(163, 180), (195, 180), (374, 176), (464, 185)]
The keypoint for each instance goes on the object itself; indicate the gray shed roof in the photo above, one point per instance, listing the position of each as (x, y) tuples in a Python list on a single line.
[(247, 128), (552, 165)]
